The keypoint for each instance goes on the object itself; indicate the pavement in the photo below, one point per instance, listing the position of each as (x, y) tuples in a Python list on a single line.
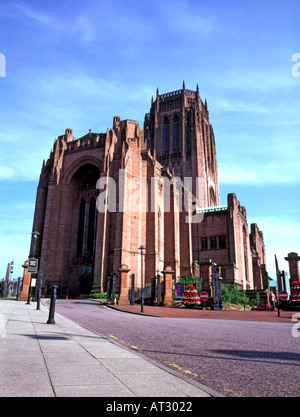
[(64, 359)]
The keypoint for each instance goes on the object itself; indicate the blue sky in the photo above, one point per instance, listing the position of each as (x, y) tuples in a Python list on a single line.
[(76, 64)]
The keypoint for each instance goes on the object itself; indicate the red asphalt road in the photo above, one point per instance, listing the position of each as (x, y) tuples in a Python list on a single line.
[(190, 313)]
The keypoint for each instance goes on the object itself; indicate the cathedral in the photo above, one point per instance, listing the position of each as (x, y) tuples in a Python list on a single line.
[(142, 200)]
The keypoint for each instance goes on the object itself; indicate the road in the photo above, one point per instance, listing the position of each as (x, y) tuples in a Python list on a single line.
[(233, 357)]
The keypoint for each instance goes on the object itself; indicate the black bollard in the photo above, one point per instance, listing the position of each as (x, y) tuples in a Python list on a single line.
[(52, 305), (39, 289), (158, 291), (132, 290), (114, 282)]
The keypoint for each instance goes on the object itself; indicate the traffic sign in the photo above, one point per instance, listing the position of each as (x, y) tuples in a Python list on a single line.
[(32, 265), (283, 295), (203, 296)]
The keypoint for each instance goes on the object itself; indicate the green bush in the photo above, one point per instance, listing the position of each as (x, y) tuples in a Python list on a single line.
[(103, 296), (190, 281), (99, 295), (231, 294), (257, 299)]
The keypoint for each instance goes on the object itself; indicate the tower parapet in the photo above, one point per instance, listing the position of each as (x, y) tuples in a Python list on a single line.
[(178, 129)]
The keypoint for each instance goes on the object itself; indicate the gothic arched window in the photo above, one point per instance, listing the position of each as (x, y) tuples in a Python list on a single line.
[(176, 132), (166, 139), (212, 198), (91, 226), (80, 232)]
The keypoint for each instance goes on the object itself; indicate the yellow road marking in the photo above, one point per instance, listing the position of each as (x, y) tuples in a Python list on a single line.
[(186, 371), (232, 392), (124, 343), (114, 337), (135, 347)]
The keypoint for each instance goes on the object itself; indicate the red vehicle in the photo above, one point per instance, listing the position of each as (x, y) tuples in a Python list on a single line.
[(263, 307)]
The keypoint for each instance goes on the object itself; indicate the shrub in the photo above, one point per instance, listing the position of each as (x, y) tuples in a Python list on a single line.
[(257, 299), (99, 295), (231, 294)]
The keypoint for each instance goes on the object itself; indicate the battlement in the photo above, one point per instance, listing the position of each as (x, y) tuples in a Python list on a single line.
[(178, 98), (177, 93), (72, 144), (91, 140), (171, 94)]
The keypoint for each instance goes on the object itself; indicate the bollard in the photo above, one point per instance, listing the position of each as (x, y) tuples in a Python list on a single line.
[(132, 289), (39, 289), (114, 279), (52, 305), (158, 291)]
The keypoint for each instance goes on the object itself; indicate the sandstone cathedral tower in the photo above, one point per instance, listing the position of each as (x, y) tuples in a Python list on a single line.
[(102, 196)]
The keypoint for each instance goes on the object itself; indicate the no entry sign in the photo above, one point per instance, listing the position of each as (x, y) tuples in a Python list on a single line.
[(283, 295), (203, 296)]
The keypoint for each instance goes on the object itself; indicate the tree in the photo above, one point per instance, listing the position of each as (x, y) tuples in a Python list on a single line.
[(231, 294)]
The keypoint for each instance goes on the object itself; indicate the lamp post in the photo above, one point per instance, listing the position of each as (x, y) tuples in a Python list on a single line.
[(11, 273), (141, 248), (35, 236)]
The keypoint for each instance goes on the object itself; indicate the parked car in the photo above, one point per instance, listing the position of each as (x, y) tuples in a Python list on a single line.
[(263, 307)]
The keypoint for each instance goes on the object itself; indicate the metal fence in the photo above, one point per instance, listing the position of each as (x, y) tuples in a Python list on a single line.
[(152, 293), (197, 281)]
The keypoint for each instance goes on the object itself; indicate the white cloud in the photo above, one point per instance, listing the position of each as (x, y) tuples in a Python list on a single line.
[(258, 172), (180, 16), (20, 9), (260, 81), (225, 104), (56, 103), (6, 172), (15, 233), (86, 29)]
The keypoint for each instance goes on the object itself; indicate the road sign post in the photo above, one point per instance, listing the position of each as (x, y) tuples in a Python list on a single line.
[(32, 269), (283, 296), (32, 265)]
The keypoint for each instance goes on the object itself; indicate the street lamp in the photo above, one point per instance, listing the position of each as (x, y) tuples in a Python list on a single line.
[(11, 274), (35, 236), (141, 248)]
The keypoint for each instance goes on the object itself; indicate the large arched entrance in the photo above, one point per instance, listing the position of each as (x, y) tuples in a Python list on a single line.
[(83, 222)]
